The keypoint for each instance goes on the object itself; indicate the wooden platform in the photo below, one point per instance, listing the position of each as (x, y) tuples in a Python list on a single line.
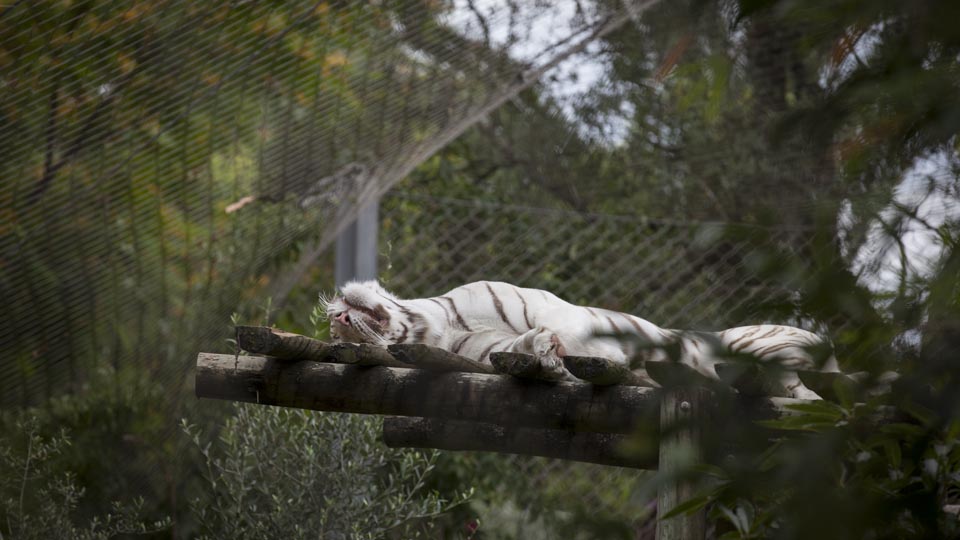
[(433, 398)]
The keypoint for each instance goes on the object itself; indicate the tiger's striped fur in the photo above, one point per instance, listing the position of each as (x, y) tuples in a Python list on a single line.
[(480, 318)]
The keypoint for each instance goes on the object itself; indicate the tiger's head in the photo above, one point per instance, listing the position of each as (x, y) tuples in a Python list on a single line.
[(365, 312)]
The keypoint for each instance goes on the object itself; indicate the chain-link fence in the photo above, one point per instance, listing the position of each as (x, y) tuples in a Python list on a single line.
[(166, 163), (675, 274)]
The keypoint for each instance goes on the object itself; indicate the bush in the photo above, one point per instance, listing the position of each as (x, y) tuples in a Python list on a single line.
[(36, 502), (285, 473), (874, 460)]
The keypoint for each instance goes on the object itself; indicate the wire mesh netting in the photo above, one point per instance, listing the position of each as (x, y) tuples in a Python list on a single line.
[(158, 155), (675, 274), (165, 164)]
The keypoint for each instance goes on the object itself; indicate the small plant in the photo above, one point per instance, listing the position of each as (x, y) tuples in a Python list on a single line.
[(285, 473), (319, 322), (37, 503)]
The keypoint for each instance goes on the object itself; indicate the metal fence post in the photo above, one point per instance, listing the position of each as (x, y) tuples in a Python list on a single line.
[(357, 246)]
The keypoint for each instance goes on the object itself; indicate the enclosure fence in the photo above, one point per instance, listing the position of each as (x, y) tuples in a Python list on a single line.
[(674, 274)]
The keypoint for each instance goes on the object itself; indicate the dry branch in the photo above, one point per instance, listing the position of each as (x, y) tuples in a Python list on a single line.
[(434, 359), (474, 397), (601, 448)]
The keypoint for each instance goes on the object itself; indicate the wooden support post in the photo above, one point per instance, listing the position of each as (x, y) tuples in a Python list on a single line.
[(682, 412), (601, 448)]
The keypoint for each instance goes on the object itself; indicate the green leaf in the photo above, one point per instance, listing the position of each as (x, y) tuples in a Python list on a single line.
[(892, 449), (903, 430), (820, 408), (800, 423), (689, 506)]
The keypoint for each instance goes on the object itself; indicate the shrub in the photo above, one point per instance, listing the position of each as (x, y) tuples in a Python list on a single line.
[(285, 473)]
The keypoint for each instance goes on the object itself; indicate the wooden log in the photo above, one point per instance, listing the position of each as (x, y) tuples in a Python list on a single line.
[(474, 397), (524, 366), (280, 344), (601, 448), (362, 354), (749, 380), (603, 372), (425, 357), (670, 374), (289, 346), (682, 414)]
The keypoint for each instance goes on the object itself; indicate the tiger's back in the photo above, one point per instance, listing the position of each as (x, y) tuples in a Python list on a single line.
[(483, 317)]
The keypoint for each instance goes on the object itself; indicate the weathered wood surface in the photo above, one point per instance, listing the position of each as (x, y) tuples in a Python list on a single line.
[(603, 372), (277, 343), (474, 397), (670, 374), (749, 380), (525, 366), (683, 411), (288, 346), (362, 354), (434, 359), (600, 448)]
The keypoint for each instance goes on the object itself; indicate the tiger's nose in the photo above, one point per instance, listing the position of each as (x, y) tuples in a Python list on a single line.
[(343, 318)]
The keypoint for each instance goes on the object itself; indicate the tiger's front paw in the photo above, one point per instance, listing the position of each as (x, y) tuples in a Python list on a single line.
[(549, 351)]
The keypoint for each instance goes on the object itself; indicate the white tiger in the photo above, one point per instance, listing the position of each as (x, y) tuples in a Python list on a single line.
[(480, 318)]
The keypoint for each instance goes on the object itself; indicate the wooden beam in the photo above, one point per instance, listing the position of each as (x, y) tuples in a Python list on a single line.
[(410, 392), (362, 354), (525, 366), (603, 372), (750, 380), (288, 346), (423, 357), (601, 448), (669, 374), (277, 343)]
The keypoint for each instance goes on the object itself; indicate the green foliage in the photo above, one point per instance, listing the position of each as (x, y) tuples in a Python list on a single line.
[(519, 497), (879, 459), (39, 502), (279, 473)]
